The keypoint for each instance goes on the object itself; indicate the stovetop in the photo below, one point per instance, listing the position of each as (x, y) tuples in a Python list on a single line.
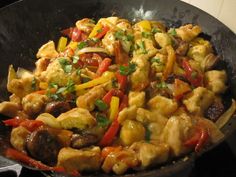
[(219, 162)]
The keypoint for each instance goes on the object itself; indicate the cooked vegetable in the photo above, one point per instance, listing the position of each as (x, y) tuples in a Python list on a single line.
[(143, 92)]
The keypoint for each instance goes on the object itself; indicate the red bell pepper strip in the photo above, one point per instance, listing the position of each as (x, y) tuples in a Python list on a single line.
[(14, 122), (114, 128), (112, 92), (110, 133), (68, 32), (106, 62), (122, 81), (30, 125), (73, 33), (102, 33), (199, 138), (121, 57), (194, 77)]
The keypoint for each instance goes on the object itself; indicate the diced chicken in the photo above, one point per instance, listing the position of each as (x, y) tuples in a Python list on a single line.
[(199, 100), (163, 105), (19, 86), (55, 74), (215, 81), (120, 161), (76, 118), (82, 160), (154, 121), (87, 100), (47, 51), (128, 113), (41, 65), (18, 138), (140, 77), (188, 32), (15, 99), (136, 99), (163, 39), (33, 103), (145, 47), (85, 25), (131, 131), (158, 63), (9, 109), (108, 41), (150, 154), (176, 132)]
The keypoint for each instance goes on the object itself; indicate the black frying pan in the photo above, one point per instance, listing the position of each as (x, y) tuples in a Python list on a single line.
[(26, 25)]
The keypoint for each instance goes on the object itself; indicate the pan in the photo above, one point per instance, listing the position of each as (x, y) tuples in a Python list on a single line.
[(27, 24)]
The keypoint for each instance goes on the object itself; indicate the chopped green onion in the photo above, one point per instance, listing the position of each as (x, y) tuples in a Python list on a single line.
[(155, 30), (172, 32), (146, 34), (102, 106), (161, 85), (33, 84), (126, 70), (102, 120), (65, 64), (147, 134), (75, 59), (82, 44), (143, 48)]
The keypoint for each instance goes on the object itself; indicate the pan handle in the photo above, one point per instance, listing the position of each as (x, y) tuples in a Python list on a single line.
[(16, 168)]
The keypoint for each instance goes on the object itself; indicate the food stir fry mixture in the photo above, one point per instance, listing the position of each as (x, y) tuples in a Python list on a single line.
[(115, 96)]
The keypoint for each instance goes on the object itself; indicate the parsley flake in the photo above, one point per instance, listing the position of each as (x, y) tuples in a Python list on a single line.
[(127, 70), (82, 44)]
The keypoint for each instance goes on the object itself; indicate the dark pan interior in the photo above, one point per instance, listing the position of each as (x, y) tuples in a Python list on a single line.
[(26, 25)]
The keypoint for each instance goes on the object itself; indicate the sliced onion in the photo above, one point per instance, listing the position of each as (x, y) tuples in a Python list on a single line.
[(23, 73), (92, 49), (224, 118)]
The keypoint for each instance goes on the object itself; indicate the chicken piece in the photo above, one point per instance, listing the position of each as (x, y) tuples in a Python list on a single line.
[(9, 109), (19, 86), (158, 62), (87, 100), (49, 120), (18, 138), (56, 74), (109, 21), (155, 122), (136, 99), (140, 77), (15, 99), (108, 41), (199, 100), (34, 103), (188, 32), (163, 105), (163, 39), (47, 51), (120, 161), (176, 131), (85, 25), (150, 154), (82, 160), (128, 113), (41, 65), (131, 131), (146, 47), (215, 81), (76, 118)]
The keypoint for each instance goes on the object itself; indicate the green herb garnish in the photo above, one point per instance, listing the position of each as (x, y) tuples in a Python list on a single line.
[(194, 75), (146, 34), (82, 44), (127, 70), (172, 32), (75, 59), (155, 30), (33, 84), (147, 134), (102, 120), (143, 47), (122, 36), (161, 85), (101, 105), (65, 65), (157, 60)]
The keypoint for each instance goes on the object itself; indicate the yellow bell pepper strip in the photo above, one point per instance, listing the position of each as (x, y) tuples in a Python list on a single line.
[(95, 30), (144, 25), (107, 76), (61, 44), (114, 107), (170, 61), (73, 45), (114, 128), (180, 88)]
